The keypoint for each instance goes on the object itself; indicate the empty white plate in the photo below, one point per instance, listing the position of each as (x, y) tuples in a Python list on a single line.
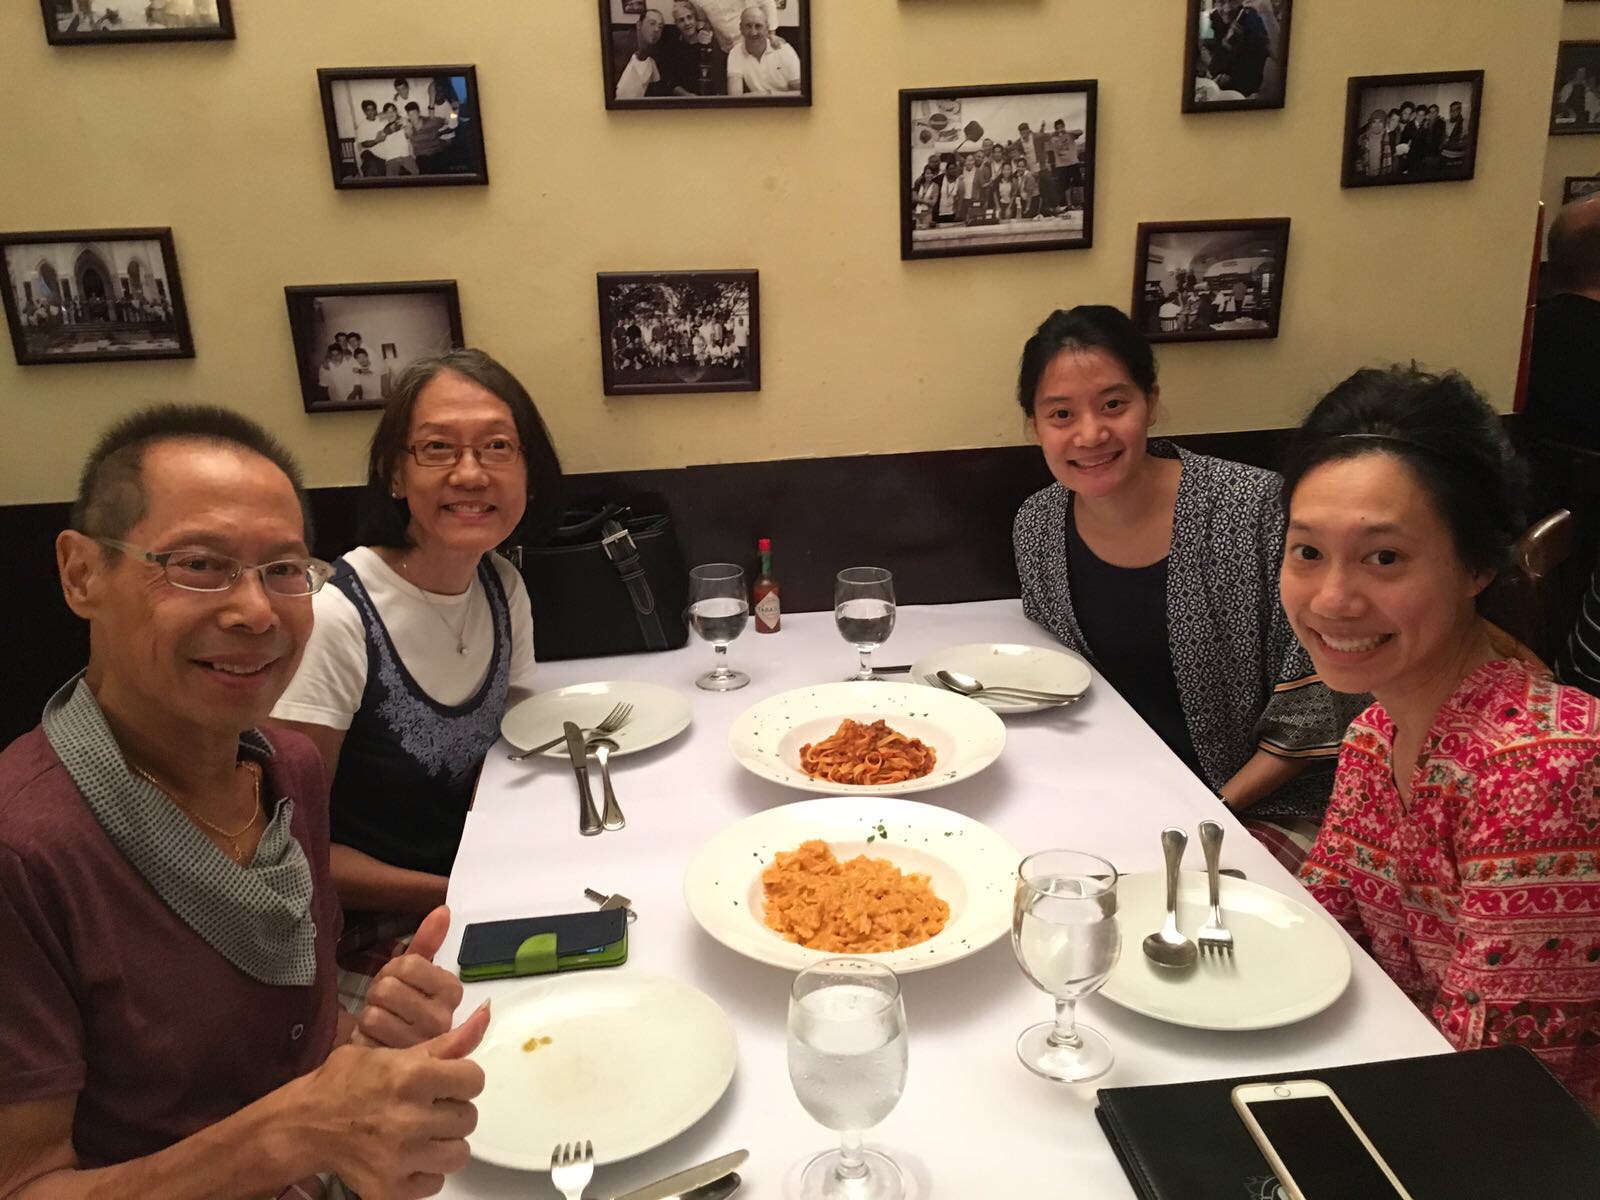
[(997, 663), (659, 714)]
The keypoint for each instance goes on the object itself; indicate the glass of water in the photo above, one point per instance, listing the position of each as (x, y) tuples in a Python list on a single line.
[(847, 1061), (719, 605), (863, 609), (1064, 931)]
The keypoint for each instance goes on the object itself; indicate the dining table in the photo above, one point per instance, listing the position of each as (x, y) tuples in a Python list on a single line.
[(972, 1122)]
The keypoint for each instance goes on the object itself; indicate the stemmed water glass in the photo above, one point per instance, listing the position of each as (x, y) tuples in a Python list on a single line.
[(847, 1061), (863, 609), (1064, 931), (719, 605)]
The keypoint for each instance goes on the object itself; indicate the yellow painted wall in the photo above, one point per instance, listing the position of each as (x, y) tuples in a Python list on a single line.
[(862, 353), (1577, 154)]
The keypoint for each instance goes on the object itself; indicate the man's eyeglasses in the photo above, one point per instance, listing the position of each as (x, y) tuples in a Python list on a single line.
[(207, 571), (496, 452)]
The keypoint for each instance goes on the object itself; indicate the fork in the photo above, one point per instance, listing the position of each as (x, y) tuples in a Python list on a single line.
[(1213, 936), (614, 720), (571, 1168)]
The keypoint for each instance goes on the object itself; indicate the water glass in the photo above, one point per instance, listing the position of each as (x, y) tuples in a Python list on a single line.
[(847, 1061), (719, 605), (1064, 931), (863, 609)]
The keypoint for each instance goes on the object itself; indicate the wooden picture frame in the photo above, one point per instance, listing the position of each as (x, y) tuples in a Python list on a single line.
[(448, 112), (1579, 187), (1572, 115), (64, 25), (1236, 294), (1438, 153), (1199, 78), (702, 75), (666, 332)]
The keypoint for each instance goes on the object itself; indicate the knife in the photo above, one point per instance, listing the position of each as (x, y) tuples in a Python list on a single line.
[(588, 816), (683, 1181)]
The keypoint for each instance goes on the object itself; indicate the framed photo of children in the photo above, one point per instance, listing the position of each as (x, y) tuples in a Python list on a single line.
[(1576, 187), (997, 169), (680, 331), (1575, 106), (1237, 54), (705, 53), (70, 22), (94, 295), (1210, 281), (403, 126), (1411, 128), (351, 341)]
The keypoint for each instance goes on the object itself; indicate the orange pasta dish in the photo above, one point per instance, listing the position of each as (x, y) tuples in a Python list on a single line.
[(862, 906), (866, 754)]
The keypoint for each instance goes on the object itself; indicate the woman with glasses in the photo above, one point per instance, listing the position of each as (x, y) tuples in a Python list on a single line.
[(424, 636)]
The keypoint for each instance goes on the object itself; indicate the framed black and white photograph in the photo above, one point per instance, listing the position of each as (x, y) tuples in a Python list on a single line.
[(1237, 54), (705, 53), (71, 22), (94, 295), (1576, 187), (403, 126), (1575, 106), (997, 169), (1411, 128), (352, 340), (680, 331), (1210, 281)]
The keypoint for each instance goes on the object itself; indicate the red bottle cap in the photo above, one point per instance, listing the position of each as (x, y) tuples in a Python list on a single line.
[(764, 545)]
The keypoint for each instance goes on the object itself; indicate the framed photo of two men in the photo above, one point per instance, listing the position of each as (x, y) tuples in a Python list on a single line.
[(997, 169), (705, 53), (1236, 54), (393, 127), (70, 22)]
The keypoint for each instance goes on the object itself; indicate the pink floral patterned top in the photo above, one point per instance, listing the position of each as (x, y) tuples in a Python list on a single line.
[(1483, 900)]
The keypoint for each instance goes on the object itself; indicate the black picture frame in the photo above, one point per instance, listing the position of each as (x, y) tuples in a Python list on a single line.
[(617, 40), (1275, 83), (310, 323), (1579, 187), (460, 159), (1193, 321), (1357, 168), (1572, 56), (74, 35), (617, 345), (88, 304), (921, 129)]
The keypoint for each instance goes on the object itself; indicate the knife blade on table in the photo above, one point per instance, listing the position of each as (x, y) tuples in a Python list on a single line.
[(683, 1181), (588, 815)]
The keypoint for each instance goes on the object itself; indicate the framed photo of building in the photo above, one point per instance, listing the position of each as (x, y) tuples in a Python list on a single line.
[(1210, 281), (1576, 187), (1575, 104), (352, 340), (705, 53), (72, 22), (1411, 128), (1236, 54), (94, 295), (680, 331), (403, 126), (997, 169)]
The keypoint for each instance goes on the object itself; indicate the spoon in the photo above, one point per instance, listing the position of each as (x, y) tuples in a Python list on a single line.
[(601, 748), (1168, 947), (957, 681)]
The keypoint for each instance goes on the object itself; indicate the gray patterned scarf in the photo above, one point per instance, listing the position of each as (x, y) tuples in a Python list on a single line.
[(256, 916)]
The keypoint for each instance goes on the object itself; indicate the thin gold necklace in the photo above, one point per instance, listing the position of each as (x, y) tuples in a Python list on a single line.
[(231, 838), (460, 635)]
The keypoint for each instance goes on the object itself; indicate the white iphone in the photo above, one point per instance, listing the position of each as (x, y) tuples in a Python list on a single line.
[(1313, 1144)]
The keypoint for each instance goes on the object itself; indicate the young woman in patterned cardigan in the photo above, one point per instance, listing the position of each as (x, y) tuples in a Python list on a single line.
[(1161, 567), (1462, 843)]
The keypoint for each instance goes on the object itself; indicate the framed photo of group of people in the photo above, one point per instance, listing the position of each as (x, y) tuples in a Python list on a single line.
[(72, 22), (1419, 128), (705, 53), (1237, 55), (680, 331), (403, 126), (1210, 281)]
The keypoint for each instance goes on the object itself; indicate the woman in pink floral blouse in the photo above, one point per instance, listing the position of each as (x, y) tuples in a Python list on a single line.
[(1471, 871)]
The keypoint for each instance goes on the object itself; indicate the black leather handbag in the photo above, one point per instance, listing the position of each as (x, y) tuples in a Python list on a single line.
[(609, 581)]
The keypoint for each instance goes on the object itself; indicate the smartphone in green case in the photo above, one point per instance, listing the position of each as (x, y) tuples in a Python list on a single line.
[(542, 945)]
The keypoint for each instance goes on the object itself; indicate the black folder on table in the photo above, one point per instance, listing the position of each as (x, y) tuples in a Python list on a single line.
[(1477, 1125)]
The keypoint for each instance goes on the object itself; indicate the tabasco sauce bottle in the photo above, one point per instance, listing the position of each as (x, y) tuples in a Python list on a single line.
[(765, 592)]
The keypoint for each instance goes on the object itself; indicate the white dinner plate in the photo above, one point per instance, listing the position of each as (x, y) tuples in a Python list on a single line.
[(965, 736), (996, 663), (633, 1060), (970, 867), (658, 714), (1289, 962)]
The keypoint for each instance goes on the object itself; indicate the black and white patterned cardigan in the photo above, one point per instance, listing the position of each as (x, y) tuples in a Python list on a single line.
[(1244, 680)]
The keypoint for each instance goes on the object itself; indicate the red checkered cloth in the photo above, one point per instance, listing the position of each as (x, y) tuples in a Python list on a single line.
[(318, 1187), (368, 942), (1288, 839)]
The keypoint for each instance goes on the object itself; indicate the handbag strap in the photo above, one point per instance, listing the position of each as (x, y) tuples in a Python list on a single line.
[(624, 555)]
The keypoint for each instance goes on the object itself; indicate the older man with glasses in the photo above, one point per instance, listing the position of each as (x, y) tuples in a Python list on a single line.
[(169, 1025)]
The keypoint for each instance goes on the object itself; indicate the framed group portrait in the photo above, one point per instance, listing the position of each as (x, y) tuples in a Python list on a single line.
[(1210, 281), (997, 169), (74, 22), (1236, 54), (705, 53), (680, 331), (94, 295), (391, 127), (1418, 128)]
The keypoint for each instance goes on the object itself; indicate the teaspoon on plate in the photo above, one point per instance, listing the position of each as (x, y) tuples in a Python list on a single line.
[(1167, 947), (967, 685)]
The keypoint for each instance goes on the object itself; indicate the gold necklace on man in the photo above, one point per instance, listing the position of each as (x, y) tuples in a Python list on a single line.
[(231, 837), (460, 635)]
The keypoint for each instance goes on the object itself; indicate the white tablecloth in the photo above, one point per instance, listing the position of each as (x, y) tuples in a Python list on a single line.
[(973, 1123)]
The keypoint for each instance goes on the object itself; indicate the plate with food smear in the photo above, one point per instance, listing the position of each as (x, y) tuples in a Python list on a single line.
[(875, 739), (911, 885)]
